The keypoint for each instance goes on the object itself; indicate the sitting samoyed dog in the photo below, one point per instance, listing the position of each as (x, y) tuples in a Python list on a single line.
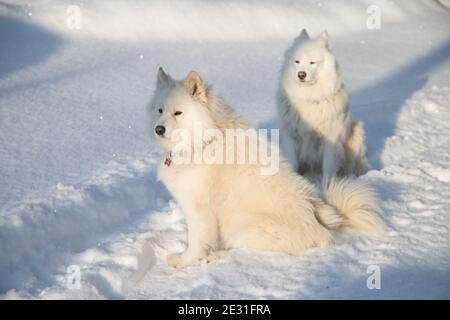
[(316, 129), (232, 205)]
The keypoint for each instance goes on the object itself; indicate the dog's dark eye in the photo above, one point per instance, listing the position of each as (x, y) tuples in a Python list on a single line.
[(312, 62), (177, 113), (160, 110), (297, 61)]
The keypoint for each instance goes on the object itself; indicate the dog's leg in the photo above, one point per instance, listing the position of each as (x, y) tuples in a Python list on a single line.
[(202, 235), (331, 160), (216, 255), (290, 149), (356, 151)]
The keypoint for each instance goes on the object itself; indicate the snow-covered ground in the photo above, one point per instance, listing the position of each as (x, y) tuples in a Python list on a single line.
[(77, 167)]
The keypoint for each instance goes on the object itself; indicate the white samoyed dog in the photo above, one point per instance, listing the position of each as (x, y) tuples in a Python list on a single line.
[(316, 129), (233, 205)]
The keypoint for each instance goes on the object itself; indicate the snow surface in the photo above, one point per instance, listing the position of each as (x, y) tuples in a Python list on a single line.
[(77, 167)]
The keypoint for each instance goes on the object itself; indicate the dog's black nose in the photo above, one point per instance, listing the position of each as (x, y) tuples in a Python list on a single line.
[(301, 75), (160, 130)]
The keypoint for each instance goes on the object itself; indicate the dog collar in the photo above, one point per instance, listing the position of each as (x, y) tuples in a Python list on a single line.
[(168, 160)]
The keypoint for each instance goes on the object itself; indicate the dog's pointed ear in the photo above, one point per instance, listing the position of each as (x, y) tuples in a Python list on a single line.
[(163, 78), (195, 86), (304, 34), (324, 37)]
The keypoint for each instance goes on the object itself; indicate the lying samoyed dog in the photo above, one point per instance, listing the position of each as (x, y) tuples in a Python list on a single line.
[(233, 205), (316, 129)]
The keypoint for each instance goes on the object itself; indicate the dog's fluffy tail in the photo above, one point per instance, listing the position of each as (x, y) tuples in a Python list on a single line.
[(350, 204)]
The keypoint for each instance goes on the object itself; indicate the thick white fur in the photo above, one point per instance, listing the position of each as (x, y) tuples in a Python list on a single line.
[(232, 205), (316, 129)]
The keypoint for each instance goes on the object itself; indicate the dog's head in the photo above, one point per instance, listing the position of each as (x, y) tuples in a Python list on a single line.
[(310, 59), (177, 107)]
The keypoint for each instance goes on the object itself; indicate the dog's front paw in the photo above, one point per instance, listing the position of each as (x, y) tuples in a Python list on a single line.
[(180, 261)]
